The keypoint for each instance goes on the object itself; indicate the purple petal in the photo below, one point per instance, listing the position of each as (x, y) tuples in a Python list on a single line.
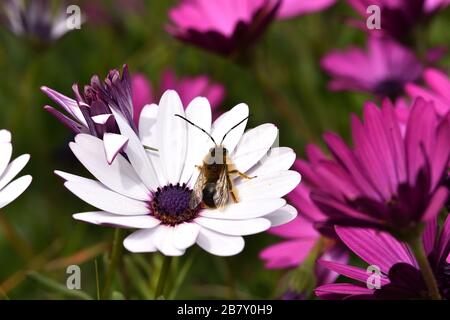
[(75, 127), (341, 290), (68, 104), (351, 272), (299, 228), (141, 93), (443, 249), (436, 203), (337, 253), (429, 235), (293, 8), (375, 247), (287, 254), (345, 156)]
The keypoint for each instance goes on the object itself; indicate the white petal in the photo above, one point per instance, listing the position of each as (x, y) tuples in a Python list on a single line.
[(171, 136), (227, 121), (136, 154), (13, 190), (101, 118), (272, 185), (119, 176), (141, 241), (71, 177), (110, 219), (165, 241), (254, 145), (147, 124), (113, 144), (282, 215), (219, 244), (150, 240), (277, 159), (235, 227), (185, 235), (147, 133), (5, 155), (199, 112), (5, 136), (158, 166), (245, 210), (13, 169), (104, 199)]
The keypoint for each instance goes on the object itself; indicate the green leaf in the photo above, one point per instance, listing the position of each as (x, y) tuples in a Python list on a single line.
[(116, 295)]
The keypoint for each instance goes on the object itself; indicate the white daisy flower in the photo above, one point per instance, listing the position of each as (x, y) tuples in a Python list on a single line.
[(151, 191), (9, 191)]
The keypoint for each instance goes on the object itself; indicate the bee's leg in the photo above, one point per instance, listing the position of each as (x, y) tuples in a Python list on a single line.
[(233, 196), (198, 167), (232, 191), (243, 175)]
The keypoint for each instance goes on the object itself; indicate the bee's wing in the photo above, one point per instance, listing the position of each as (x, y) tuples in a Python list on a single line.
[(223, 188), (197, 192)]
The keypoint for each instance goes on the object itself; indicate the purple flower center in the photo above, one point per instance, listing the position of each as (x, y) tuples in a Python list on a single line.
[(390, 88), (170, 204), (443, 279)]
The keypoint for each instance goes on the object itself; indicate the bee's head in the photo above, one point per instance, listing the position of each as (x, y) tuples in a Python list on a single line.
[(218, 154), (219, 151)]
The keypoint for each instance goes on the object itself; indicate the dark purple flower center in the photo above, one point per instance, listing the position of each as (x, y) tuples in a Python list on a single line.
[(170, 204), (389, 88), (406, 282), (443, 279)]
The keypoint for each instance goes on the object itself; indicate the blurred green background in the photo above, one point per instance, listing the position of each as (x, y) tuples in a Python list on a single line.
[(287, 57)]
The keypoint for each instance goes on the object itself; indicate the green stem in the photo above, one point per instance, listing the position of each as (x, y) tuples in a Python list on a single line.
[(113, 263), (303, 279), (231, 281), (416, 245), (165, 269), (97, 282), (181, 275)]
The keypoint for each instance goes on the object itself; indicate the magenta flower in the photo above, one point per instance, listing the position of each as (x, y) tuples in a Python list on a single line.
[(221, 26), (293, 8), (300, 235), (399, 17), (299, 239), (400, 277), (142, 94), (188, 88), (438, 91), (91, 110), (386, 181), (383, 69)]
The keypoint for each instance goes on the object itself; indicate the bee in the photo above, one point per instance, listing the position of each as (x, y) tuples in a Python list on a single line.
[(214, 186)]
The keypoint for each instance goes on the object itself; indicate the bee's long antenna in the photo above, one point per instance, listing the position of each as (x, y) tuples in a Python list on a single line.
[(190, 122), (234, 127)]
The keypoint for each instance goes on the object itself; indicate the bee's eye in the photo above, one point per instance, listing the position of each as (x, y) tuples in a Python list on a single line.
[(212, 152)]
